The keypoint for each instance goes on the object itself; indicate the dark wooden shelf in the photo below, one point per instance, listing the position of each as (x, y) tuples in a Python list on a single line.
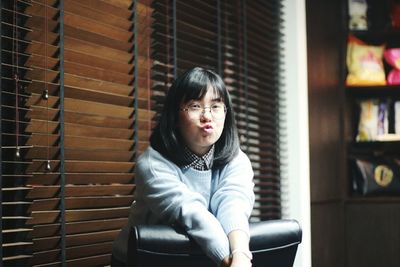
[(376, 37), (373, 149), (372, 199), (373, 91), (386, 145)]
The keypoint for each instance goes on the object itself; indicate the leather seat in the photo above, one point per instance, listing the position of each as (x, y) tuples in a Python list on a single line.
[(273, 243)]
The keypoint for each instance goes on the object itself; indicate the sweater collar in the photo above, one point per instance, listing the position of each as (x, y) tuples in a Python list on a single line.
[(202, 163)]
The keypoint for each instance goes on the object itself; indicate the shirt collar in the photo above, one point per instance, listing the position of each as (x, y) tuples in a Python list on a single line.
[(202, 163)]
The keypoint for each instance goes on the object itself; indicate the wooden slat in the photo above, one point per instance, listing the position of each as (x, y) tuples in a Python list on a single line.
[(96, 96), (93, 12), (98, 190), (49, 230), (97, 120), (37, 8), (48, 217), (99, 225), (100, 62), (40, 49), (99, 178), (43, 140), (102, 260), (102, 132), (37, 100), (41, 126), (98, 167), (97, 85), (97, 50), (40, 74), (46, 243), (98, 143), (38, 35), (43, 257), (81, 203), (50, 243), (112, 6), (91, 238), (79, 178), (97, 73), (91, 25), (89, 250), (37, 87), (42, 192), (42, 62), (99, 155), (85, 215)]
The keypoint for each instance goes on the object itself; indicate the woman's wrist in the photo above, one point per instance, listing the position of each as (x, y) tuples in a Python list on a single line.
[(240, 259), (244, 252)]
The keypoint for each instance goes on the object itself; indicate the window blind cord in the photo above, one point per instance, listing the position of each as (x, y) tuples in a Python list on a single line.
[(148, 73), (15, 61), (46, 91)]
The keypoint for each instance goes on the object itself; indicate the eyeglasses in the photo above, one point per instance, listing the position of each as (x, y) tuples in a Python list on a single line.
[(195, 111)]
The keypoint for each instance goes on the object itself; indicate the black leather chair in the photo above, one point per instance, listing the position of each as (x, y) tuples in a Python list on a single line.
[(273, 243)]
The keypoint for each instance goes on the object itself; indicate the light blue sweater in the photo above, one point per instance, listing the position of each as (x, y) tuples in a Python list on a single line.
[(208, 204)]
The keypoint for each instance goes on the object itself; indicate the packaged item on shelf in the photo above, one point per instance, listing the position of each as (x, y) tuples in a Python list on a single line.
[(376, 177), (358, 15), (395, 13), (373, 120), (392, 57), (364, 63), (397, 117)]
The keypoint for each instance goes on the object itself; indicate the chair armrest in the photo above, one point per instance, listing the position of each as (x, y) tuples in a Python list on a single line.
[(273, 243)]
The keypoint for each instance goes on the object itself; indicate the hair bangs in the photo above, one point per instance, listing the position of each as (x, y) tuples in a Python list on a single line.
[(197, 85)]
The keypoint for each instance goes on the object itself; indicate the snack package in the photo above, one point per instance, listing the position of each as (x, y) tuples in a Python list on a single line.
[(364, 64), (358, 15), (397, 117), (376, 176), (373, 120), (392, 57)]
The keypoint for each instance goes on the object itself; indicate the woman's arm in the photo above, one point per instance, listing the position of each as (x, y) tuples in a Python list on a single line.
[(241, 255), (232, 204), (159, 185), (239, 243)]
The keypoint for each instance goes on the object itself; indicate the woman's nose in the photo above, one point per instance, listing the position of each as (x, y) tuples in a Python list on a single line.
[(206, 114)]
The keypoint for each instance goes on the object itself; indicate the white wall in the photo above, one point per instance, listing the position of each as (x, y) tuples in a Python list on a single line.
[(296, 178)]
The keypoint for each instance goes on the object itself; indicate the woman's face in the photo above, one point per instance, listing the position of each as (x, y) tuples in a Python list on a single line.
[(201, 132)]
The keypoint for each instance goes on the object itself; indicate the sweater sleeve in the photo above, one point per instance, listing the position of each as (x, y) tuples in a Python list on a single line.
[(233, 199), (158, 184)]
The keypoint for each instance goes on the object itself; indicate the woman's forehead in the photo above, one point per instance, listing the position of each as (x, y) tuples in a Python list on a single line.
[(210, 93)]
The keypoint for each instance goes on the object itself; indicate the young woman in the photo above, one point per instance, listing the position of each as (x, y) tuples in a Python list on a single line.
[(194, 173)]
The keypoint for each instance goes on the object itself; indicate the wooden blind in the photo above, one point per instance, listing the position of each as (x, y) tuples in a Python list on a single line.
[(251, 35), (73, 100), (241, 41), (80, 84)]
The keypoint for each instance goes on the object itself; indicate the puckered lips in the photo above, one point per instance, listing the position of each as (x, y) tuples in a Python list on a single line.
[(207, 128)]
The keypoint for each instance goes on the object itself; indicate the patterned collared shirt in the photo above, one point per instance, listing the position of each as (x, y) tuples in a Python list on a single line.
[(202, 163)]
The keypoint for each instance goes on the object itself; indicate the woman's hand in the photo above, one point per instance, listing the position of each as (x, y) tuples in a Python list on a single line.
[(226, 262), (240, 260)]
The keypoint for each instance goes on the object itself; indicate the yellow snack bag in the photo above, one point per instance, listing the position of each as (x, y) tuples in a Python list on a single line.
[(364, 64)]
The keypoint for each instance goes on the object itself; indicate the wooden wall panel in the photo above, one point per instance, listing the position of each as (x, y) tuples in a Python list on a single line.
[(372, 234)]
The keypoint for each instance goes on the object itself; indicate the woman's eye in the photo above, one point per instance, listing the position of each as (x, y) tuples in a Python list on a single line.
[(217, 106), (195, 106)]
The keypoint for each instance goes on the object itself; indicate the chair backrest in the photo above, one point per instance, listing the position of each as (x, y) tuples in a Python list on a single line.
[(273, 243)]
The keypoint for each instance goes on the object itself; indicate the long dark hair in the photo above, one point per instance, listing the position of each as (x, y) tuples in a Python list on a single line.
[(193, 85)]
